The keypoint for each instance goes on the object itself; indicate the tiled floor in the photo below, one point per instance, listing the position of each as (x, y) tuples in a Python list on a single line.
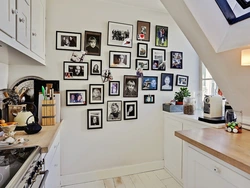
[(152, 179)]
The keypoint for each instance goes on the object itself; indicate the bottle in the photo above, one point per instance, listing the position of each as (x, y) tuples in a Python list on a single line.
[(233, 121)]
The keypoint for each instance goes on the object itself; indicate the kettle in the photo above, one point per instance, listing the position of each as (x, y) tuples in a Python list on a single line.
[(22, 117)]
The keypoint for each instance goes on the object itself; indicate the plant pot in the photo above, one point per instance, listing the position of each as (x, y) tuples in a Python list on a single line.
[(179, 103)]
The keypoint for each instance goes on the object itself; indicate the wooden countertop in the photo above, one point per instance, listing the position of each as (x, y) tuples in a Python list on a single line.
[(44, 138), (229, 147)]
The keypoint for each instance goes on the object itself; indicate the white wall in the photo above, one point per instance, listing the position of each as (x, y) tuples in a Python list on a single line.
[(3, 75), (118, 143)]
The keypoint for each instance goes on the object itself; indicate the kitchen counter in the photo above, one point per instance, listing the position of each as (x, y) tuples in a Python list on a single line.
[(44, 138), (229, 147)]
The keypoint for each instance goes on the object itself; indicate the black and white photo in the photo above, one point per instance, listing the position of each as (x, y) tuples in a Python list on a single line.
[(143, 31), (76, 97), (94, 119), (149, 82), (149, 99), (120, 34), (142, 50), (96, 93), (114, 88), (78, 56), (75, 71), (114, 110), (68, 41), (106, 75), (118, 59), (143, 63), (181, 80), (92, 43), (96, 67), (167, 81), (158, 57), (130, 110), (176, 60), (130, 86)]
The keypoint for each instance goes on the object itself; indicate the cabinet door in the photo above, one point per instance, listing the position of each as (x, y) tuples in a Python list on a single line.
[(8, 17), (38, 27), (173, 147), (23, 23)]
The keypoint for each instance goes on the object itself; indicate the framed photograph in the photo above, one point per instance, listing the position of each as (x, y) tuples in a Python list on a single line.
[(77, 56), (167, 81), (143, 31), (75, 71), (119, 59), (176, 60), (76, 97), (142, 50), (130, 86), (149, 82), (114, 88), (130, 110), (149, 99), (114, 110), (143, 63), (94, 118), (120, 34), (92, 43), (68, 41), (96, 67), (161, 36), (96, 93), (181, 80), (158, 57)]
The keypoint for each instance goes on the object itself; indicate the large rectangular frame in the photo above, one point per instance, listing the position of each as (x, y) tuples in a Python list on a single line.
[(63, 41)]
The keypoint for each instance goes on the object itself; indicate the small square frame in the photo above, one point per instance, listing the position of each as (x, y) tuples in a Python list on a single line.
[(114, 88), (181, 80), (118, 115), (94, 119), (76, 101), (96, 93), (149, 82), (142, 50), (176, 60), (149, 99), (130, 109), (70, 73), (144, 63), (95, 67), (63, 41)]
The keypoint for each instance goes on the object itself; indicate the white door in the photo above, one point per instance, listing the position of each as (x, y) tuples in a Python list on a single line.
[(38, 28), (23, 22), (8, 17)]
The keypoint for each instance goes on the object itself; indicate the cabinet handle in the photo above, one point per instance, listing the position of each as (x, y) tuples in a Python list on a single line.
[(216, 169), (34, 34), (13, 11), (21, 20)]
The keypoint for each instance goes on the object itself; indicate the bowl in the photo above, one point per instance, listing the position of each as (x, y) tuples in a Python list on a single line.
[(8, 128)]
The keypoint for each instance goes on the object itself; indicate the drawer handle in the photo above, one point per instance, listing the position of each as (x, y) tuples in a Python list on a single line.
[(14, 11), (216, 169), (21, 20), (34, 34)]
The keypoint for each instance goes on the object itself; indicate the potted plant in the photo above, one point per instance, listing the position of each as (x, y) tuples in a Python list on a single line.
[(179, 96)]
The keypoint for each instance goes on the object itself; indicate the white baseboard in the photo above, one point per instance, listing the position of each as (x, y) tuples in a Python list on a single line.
[(110, 173)]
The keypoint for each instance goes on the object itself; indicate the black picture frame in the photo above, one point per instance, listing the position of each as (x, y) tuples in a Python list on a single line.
[(96, 39), (95, 67), (130, 80), (149, 99), (176, 60), (161, 39), (182, 80), (120, 59), (149, 82), (158, 58), (142, 50), (143, 63), (143, 31), (114, 110), (120, 34), (94, 118), (75, 70), (72, 97), (167, 80), (70, 41), (130, 110), (96, 93), (114, 88)]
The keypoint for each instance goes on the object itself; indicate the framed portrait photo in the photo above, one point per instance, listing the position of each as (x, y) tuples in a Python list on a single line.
[(142, 50), (149, 99), (120, 34), (92, 43), (75, 71), (118, 59), (68, 41), (176, 60), (76, 97), (96, 93), (94, 118), (130, 110), (167, 81), (143, 63), (161, 36), (143, 31), (130, 86), (114, 110), (158, 57), (114, 88), (96, 67), (181, 80), (149, 82)]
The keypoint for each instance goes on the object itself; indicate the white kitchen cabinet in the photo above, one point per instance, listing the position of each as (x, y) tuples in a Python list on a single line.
[(8, 17), (38, 27)]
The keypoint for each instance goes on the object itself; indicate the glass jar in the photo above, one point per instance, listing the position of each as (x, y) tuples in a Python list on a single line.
[(233, 121), (189, 105)]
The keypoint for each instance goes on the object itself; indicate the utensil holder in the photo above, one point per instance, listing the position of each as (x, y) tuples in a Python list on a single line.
[(48, 112)]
